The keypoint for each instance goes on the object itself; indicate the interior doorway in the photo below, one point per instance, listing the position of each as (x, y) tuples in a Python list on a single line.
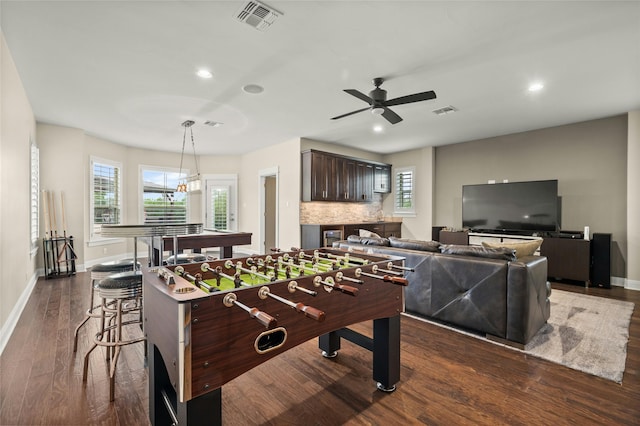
[(269, 209)]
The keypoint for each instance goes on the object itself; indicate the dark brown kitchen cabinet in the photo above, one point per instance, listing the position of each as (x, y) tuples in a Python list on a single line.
[(314, 236), (332, 177), (382, 178), (346, 179), (318, 177), (364, 181)]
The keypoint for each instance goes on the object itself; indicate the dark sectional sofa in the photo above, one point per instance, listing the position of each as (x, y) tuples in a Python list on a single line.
[(483, 289)]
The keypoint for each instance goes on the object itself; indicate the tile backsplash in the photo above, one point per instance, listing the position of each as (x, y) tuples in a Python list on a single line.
[(320, 212)]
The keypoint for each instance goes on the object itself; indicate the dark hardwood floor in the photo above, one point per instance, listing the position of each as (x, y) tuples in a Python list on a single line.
[(447, 378)]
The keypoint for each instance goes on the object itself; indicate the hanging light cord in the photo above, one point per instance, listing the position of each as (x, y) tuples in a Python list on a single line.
[(193, 145), (184, 139)]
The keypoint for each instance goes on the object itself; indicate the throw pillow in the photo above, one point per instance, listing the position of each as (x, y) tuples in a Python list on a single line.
[(366, 241), (406, 243), (527, 248), (368, 234), (502, 253)]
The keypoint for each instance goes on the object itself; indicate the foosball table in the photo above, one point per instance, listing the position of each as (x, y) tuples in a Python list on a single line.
[(207, 323)]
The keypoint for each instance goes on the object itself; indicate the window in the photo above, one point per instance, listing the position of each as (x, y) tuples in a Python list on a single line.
[(35, 194), (220, 207), (106, 195), (161, 204), (404, 191)]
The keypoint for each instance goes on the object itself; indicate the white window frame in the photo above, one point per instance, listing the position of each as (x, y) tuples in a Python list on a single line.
[(96, 238), (35, 197), (141, 169), (404, 211)]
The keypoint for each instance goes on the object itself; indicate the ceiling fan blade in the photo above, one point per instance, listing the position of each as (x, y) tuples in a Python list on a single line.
[(391, 116), (350, 113), (416, 97), (359, 95)]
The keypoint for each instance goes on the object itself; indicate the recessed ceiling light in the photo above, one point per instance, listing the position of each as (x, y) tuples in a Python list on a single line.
[(202, 73), (254, 89), (536, 87), (378, 128)]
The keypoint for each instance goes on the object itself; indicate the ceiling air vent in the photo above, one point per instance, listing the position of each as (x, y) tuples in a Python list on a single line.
[(445, 110), (258, 15)]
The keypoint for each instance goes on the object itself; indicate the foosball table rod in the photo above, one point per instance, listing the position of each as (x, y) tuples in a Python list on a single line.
[(402, 268), (218, 273), (308, 311), (195, 279), (328, 282), (263, 318), (387, 278)]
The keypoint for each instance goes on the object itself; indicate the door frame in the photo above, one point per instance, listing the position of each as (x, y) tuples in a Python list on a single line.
[(234, 201), (262, 175)]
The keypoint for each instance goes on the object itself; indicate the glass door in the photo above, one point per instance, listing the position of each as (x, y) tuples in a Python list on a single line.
[(221, 205)]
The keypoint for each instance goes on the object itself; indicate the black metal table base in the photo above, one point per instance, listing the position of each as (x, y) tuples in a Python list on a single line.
[(165, 409), (385, 346)]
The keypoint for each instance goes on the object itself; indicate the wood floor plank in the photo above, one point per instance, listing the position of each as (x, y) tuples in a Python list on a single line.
[(446, 378)]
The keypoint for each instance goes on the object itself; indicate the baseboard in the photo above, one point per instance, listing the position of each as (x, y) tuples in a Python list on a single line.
[(14, 316), (632, 284), (625, 283)]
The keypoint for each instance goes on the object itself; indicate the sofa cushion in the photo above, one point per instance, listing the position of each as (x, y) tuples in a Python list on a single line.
[(368, 241), (405, 243), (527, 248), (477, 251), (368, 234)]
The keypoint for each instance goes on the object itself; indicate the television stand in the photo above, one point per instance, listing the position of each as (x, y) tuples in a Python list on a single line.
[(567, 258)]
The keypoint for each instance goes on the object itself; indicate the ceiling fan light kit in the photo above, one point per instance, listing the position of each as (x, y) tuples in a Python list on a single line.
[(378, 103)]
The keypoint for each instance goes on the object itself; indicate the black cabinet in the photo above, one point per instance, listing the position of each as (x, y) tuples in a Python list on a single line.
[(332, 177), (567, 258)]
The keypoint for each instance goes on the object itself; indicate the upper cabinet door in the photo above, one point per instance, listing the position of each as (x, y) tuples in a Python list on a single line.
[(382, 179), (318, 176), (365, 182)]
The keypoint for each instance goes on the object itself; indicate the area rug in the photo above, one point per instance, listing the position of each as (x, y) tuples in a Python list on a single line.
[(586, 333)]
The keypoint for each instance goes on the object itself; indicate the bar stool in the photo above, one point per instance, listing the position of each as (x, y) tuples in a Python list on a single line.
[(99, 272), (121, 294)]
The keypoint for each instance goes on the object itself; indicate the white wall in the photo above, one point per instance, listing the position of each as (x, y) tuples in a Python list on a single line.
[(589, 159), (65, 164), (286, 158), (418, 226), (17, 130)]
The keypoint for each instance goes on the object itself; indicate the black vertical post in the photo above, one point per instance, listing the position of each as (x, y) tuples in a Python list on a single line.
[(386, 352), (329, 344)]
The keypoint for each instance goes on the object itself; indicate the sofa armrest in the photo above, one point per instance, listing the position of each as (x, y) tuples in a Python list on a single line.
[(528, 305)]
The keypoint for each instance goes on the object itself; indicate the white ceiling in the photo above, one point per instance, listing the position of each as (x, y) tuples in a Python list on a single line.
[(125, 70)]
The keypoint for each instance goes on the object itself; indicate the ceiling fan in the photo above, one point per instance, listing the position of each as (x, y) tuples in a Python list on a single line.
[(378, 103)]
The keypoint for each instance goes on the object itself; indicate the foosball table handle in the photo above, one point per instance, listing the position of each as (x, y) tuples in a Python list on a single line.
[(347, 289), (310, 311), (262, 317), (395, 280)]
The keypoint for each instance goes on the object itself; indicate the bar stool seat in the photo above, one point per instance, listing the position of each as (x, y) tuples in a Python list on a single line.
[(187, 258), (99, 272), (121, 294)]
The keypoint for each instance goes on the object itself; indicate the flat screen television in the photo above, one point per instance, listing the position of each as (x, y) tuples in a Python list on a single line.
[(514, 207)]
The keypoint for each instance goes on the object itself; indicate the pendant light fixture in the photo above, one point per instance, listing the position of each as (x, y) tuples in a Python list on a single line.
[(191, 183)]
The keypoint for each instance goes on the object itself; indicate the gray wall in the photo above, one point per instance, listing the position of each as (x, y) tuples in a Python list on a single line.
[(589, 159)]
